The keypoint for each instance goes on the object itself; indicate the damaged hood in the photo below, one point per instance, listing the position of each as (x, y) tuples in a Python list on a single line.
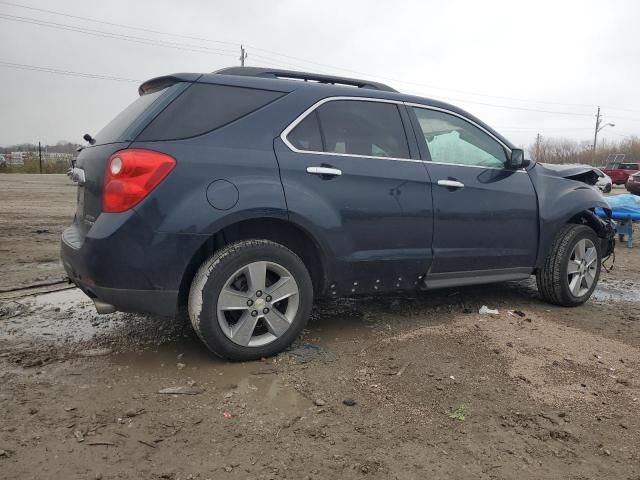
[(581, 173)]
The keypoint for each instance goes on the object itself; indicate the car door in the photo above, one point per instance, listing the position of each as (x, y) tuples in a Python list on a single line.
[(485, 215), (353, 178)]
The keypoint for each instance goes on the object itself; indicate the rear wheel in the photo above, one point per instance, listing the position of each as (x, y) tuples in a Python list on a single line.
[(250, 300), (571, 271), (607, 188)]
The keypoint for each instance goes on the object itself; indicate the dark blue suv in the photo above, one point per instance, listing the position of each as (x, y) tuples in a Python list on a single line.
[(241, 195)]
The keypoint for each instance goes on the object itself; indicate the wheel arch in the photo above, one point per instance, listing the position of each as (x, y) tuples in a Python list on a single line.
[(581, 215), (291, 235)]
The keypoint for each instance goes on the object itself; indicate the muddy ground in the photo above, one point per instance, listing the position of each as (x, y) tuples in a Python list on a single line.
[(406, 387)]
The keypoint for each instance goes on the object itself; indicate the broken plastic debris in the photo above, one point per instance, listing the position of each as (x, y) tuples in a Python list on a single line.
[(181, 391), (484, 310)]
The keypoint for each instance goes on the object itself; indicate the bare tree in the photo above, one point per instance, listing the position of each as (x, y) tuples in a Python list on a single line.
[(564, 150)]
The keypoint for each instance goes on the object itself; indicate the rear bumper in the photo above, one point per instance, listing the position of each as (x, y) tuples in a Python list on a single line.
[(152, 302), (121, 262)]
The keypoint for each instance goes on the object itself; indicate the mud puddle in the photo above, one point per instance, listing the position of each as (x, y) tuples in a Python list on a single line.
[(237, 385), (612, 291), (67, 318)]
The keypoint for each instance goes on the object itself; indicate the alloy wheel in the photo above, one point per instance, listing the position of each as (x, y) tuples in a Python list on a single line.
[(582, 267), (258, 303)]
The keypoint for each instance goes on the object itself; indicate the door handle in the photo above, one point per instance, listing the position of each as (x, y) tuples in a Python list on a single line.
[(450, 183), (332, 172)]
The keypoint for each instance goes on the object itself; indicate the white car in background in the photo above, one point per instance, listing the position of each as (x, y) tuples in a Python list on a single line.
[(604, 181)]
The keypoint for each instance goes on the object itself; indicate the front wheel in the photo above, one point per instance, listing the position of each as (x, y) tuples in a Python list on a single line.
[(607, 188), (572, 269), (250, 300)]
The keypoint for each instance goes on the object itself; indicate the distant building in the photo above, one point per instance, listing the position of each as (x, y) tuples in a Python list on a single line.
[(15, 158)]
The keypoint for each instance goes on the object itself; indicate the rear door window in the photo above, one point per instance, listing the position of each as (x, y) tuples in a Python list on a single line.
[(353, 127), (306, 135), (204, 108)]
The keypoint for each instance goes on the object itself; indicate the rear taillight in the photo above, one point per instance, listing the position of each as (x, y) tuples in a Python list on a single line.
[(131, 175)]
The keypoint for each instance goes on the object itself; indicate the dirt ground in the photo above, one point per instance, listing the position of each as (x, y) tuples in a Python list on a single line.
[(406, 387)]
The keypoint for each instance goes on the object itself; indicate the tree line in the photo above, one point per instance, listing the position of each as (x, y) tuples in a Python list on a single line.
[(564, 150)]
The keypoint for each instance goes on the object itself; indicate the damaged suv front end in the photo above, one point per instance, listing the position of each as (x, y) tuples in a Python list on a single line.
[(560, 201)]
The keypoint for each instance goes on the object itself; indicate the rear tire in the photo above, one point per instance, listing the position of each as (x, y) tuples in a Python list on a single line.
[(607, 188), (250, 300), (572, 269)]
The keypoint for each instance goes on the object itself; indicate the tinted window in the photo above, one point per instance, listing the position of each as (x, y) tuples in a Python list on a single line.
[(118, 130), (306, 135), (203, 108), (454, 140), (363, 128), (629, 166)]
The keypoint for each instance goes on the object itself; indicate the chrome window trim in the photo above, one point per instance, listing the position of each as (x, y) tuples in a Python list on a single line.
[(520, 170), (429, 107), (303, 115), (312, 108)]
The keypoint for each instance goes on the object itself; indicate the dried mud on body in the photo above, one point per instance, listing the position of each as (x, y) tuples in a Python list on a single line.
[(404, 386)]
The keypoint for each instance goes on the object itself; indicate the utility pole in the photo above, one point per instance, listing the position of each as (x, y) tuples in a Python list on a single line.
[(243, 55), (595, 137), (599, 126), (40, 156), (538, 142)]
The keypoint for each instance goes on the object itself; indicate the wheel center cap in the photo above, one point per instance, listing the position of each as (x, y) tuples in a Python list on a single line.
[(260, 302)]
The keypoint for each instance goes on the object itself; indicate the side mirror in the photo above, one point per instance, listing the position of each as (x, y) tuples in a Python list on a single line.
[(517, 160)]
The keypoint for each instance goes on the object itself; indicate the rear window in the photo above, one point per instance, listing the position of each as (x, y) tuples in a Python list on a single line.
[(203, 108), (127, 124)]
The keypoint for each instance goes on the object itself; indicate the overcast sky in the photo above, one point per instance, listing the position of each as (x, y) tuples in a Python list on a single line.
[(555, 56)]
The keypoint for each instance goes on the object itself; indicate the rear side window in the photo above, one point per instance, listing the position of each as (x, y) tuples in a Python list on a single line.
[(203, 108), (353, 127), (629, 166), (125, 125)]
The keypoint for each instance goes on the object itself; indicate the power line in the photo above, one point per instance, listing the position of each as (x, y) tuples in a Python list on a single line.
[(509, 107), (118, 36), (204, 39), (113, 24), (22, 66), (216, 52), (208, 50)]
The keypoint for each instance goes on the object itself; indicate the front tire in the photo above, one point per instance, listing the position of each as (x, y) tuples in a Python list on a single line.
[(250, 300), (572, 269)]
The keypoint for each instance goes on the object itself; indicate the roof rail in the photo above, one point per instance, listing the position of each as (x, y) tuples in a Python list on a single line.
[(307, 77)]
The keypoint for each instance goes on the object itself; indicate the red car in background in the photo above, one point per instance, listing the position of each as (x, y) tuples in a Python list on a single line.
[(633, 184), (619, 170)]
